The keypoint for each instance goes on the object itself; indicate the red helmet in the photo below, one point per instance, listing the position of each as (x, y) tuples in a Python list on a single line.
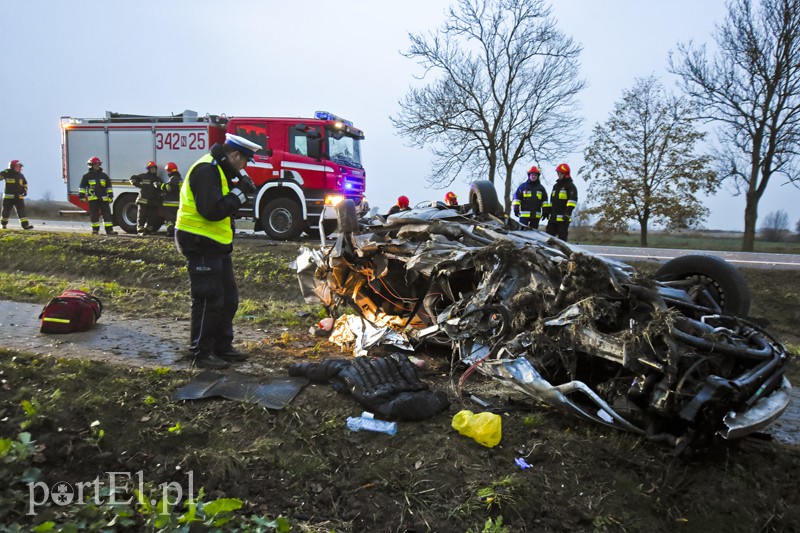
[(13, 163), (150, 164), (94, 160), (450, 198), (563, 168), (402, 201), (534, 170), (171, 167)]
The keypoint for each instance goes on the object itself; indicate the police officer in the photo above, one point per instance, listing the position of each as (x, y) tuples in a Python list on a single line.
[(530, 198), (96, 188), (563, 200), (171, 190), (148, 200), (16, 190), (214, 189)]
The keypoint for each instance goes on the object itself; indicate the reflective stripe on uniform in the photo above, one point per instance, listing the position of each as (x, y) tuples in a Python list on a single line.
[(562, 195), (571, 203), (59, 320)]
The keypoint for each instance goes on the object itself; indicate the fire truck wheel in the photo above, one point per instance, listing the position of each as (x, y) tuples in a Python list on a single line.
[(125, 213), (282, 219)]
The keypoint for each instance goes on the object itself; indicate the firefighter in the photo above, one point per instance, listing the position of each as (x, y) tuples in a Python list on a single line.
[(204, 235), (563, 200), (96, 188), (172, 194), (450, 199), (530, 199), (149, 199), (16, 190), (401, 205)]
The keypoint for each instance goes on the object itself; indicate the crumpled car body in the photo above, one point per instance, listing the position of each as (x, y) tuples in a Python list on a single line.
[(668, 359)]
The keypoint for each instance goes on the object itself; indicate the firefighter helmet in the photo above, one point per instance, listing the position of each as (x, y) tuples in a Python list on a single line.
[(13, 163), (534, 170), (563, 168), (93, 161), (150, 164), (450, 198), (402, 201), (171, 167)]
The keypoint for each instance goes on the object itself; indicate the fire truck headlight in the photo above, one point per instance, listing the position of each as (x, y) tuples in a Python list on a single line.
[(333, 200)]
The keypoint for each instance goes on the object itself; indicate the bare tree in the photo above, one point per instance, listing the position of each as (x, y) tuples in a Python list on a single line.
[(503, 90), (751, 88), (776, 226), (642, 163)]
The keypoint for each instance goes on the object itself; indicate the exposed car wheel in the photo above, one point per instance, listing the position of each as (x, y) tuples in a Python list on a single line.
[(483, 198), (282, 219), (347, 220), (125, 213), (722, 281)]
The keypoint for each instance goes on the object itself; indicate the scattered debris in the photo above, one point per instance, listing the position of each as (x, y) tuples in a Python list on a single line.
[(272, 394), (388, 385), (485, 428)]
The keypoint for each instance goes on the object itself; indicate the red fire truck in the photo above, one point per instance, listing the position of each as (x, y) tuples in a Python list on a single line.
[(306, 163)]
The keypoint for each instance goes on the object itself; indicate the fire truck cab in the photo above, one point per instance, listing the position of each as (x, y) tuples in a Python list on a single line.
[(305, 164)]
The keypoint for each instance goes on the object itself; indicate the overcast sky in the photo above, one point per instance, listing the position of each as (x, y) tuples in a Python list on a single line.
[(290, 58)]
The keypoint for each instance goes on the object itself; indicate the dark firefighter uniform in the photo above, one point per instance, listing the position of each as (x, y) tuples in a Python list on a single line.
[(148, 200), (208, 201), (16, 189), (563, 200), (529, 200), (171, 190), (96, 189)]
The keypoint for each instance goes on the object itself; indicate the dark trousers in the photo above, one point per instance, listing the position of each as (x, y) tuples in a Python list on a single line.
[(558, 229), (215, 299), (19, 205), (146, 218), (531, 222), (170, 216), (96, 209)]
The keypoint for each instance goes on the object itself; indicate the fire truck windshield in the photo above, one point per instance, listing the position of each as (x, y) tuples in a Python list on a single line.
[(345, 150)]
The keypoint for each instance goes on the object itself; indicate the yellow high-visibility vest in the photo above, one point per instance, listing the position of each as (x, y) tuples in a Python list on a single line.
[(191, 221)]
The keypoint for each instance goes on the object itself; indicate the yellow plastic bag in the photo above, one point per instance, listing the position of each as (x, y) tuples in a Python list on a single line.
[(485, 428)]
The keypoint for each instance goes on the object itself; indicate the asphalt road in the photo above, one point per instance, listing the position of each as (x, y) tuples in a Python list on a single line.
[(742, 259)]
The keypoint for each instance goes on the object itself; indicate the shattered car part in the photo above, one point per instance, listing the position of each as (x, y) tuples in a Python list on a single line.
[(669, 357)]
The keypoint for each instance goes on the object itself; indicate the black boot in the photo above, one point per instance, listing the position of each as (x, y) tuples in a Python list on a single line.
[(231, 355), (209, 360), (27, 226)]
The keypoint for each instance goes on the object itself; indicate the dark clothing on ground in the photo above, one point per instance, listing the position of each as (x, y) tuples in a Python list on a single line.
[(215, 297), (16, 189), (529, 199), (149, 202), (563, 200), (96, 189)]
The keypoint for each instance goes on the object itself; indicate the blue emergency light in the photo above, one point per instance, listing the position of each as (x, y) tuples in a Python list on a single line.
[(324, 115)]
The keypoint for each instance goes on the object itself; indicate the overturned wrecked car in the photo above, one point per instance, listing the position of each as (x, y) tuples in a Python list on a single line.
[(671, 357)]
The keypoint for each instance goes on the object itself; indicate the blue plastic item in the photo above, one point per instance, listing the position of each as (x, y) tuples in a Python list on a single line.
[(368, 423)]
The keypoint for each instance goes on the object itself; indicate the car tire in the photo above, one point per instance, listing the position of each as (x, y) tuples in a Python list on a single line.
[(725, 284), (483, 198), (282, 219), (346, 217), (125, 213)]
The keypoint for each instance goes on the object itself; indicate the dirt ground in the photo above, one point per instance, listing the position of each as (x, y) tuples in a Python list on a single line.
[(301, 462)]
